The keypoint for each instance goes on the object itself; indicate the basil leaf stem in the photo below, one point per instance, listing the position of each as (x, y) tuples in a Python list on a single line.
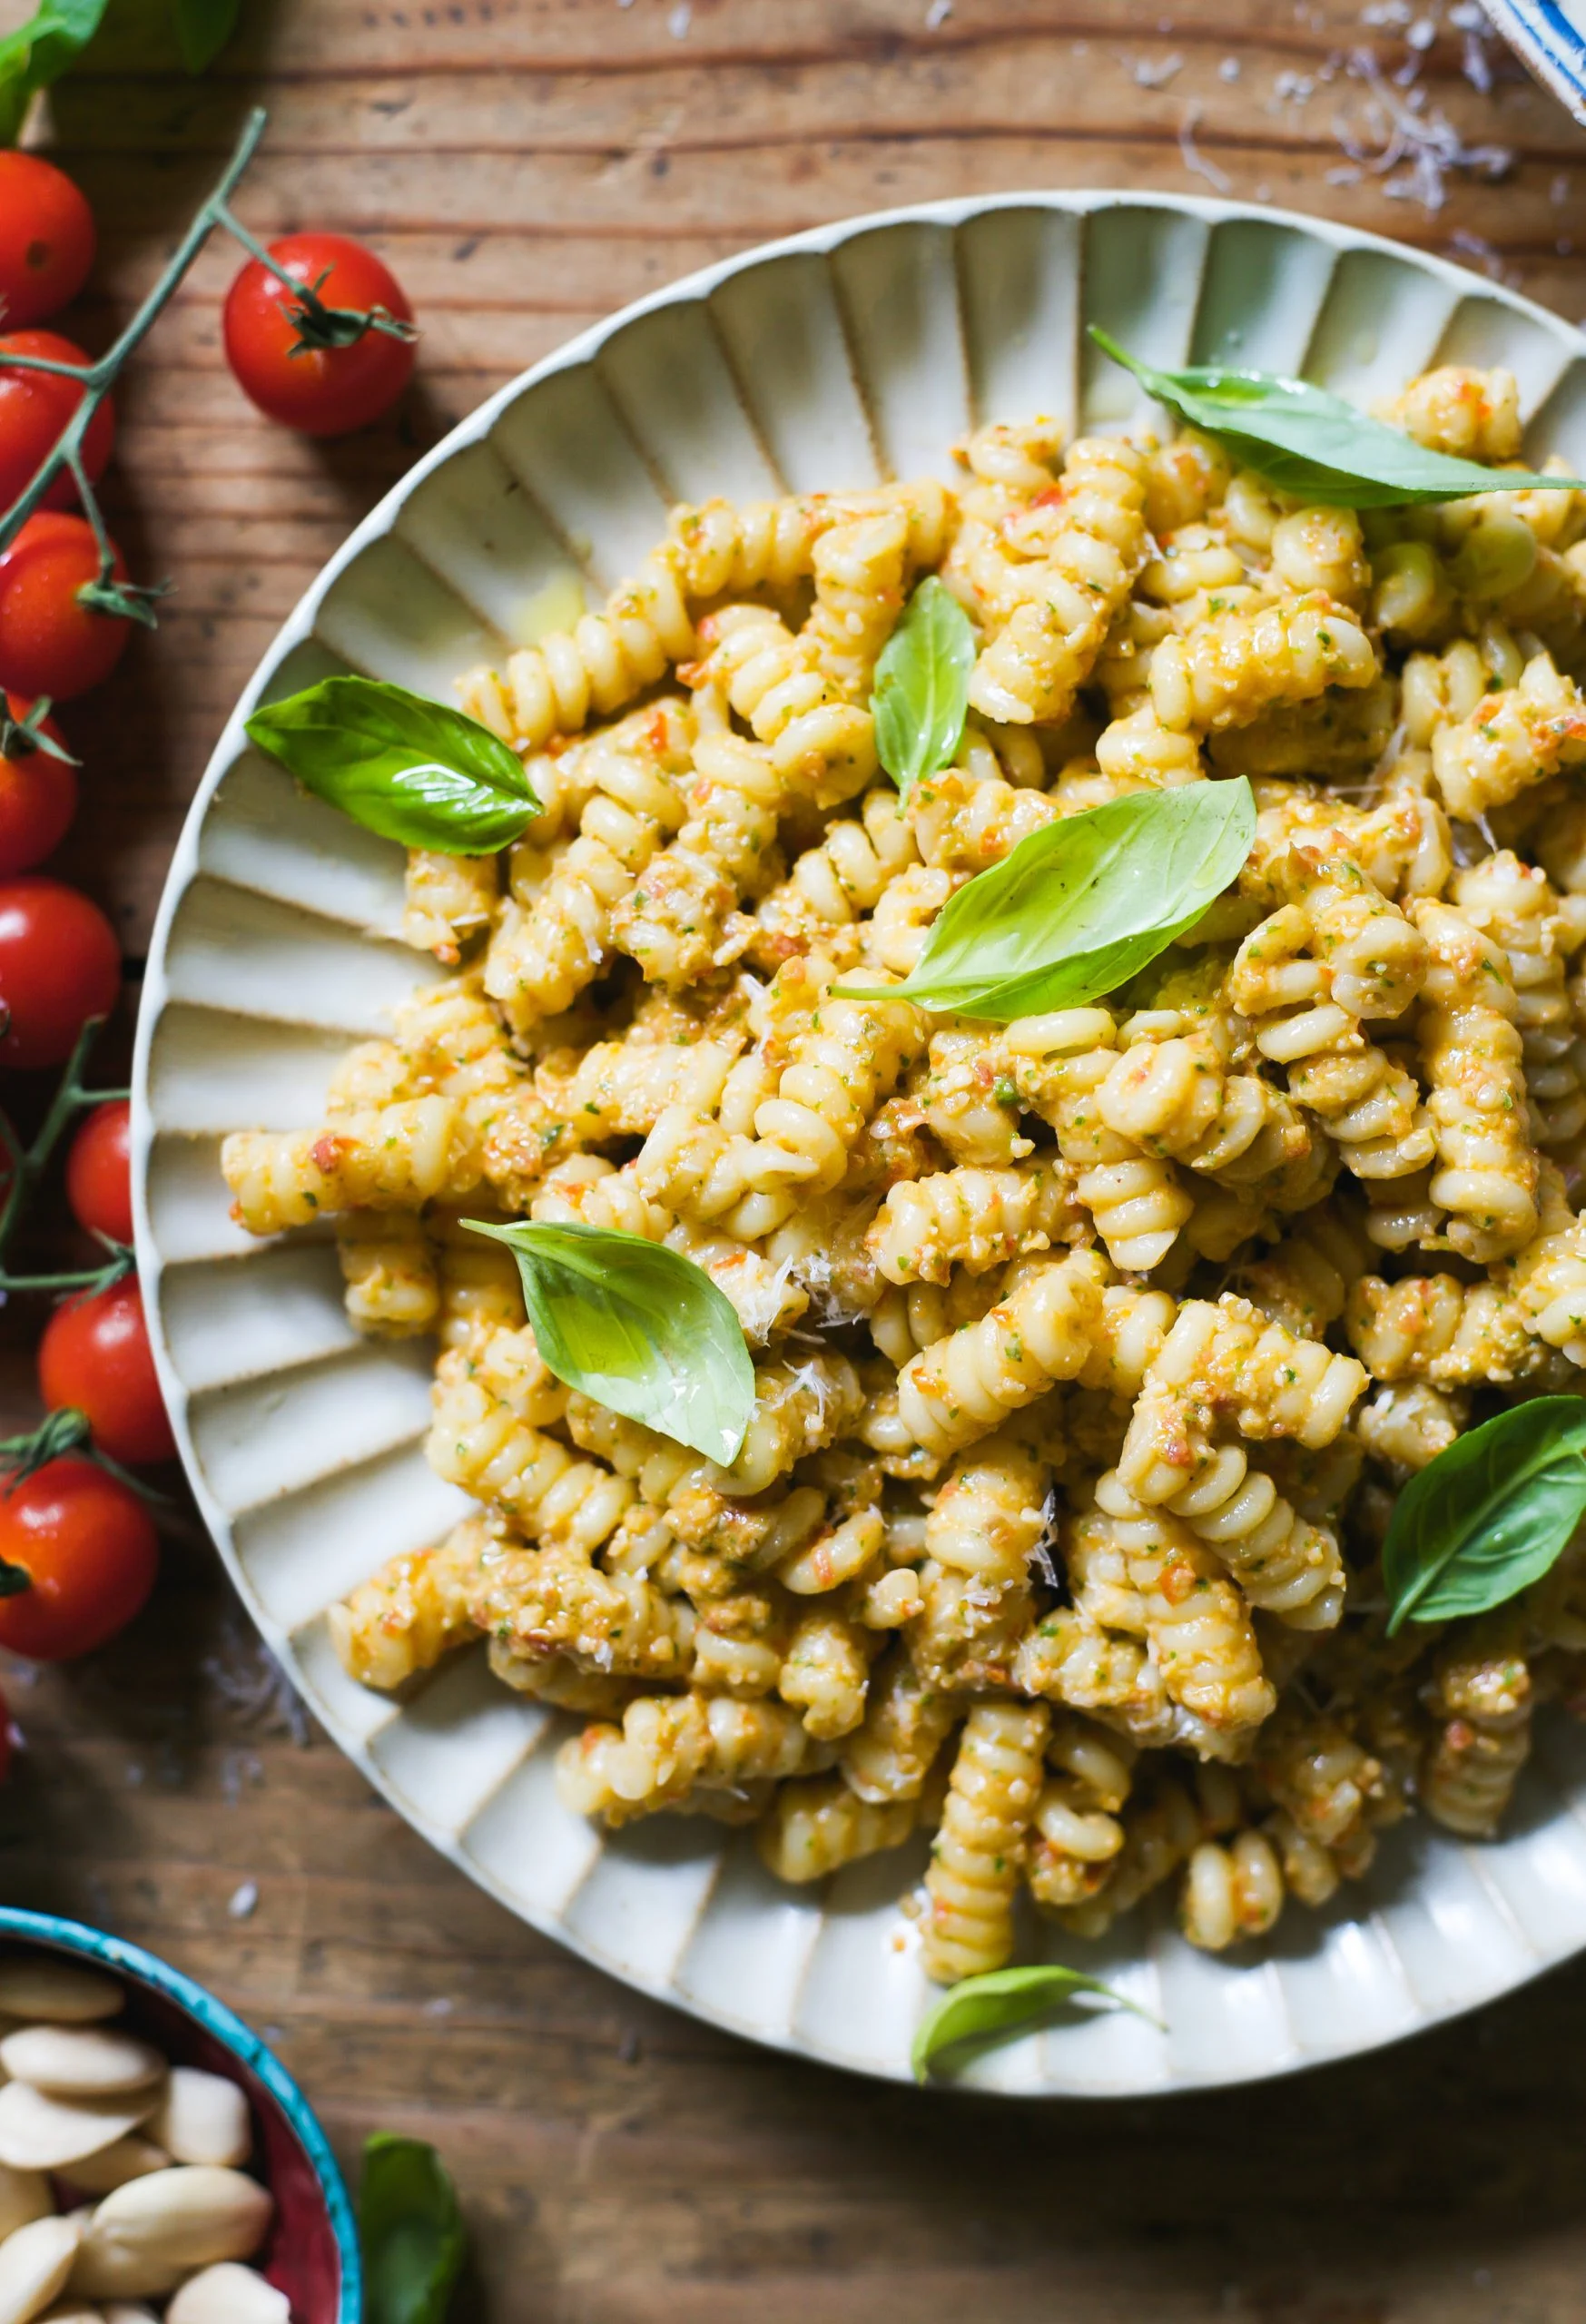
[(1490, 1515), (410, 2231), (637, 1327), (1308, 441), (998, 2008), (922, 686), (411, 770), (1081, 905)]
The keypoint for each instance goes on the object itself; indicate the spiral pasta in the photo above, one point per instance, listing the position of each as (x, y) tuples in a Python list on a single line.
[(967, 1922), (1090, 1349), (1234, 666), (1080, 548), (1472, 1056)]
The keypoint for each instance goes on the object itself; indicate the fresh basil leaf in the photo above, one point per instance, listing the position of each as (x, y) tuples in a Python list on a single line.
[(1306, 441), (39, 52), (999, 2006), (639, 1328), (410, 2231), (1082, 904), (1490, 1515), (411, 770), (922, 686), (203, 29)]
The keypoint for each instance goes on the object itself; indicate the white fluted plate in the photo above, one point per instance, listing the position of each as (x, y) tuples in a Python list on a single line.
[(855, 352)]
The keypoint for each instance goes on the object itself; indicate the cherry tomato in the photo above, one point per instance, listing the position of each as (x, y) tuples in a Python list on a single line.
[(319, 390), (50, 641), (38, 796), (99, 1172), (59, 965), (89, 1550), (94, 1355), (46, 239), (35, 407)]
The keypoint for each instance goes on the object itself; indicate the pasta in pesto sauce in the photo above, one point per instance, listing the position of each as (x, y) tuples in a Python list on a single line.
[(1091, 1348)]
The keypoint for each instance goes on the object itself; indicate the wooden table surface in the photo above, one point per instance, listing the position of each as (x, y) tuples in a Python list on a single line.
[(528, 165)]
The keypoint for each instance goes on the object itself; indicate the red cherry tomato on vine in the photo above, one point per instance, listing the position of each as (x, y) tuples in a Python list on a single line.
[(46, 239), (319, 390), (94, 1355), (99, 1172), (59, 965), (38, 795), (34, 405), (85, 1550), (50, 641)]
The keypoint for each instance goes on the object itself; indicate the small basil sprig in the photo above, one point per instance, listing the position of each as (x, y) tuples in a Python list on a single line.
[(639, 1328), (56, 36), (1490, 1515), (38, 52), (410, 2232), (410, 770), (1305, 440), (1081, 905), (922, 686), (998, 2008)]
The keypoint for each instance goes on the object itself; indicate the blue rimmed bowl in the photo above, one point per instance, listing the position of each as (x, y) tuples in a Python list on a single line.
[(313, 2253), (1550, 35)]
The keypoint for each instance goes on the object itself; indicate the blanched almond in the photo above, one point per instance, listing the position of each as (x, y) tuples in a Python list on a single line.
[(151, 2233), (72, 2311), (35, 2264), (228, 2295), (25, 2196), (129, 2158), (38, 2132), (80, 2061), (202, 2118), (36, 1985)]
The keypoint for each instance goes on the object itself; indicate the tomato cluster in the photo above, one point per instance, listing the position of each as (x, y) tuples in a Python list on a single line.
[(320, 339)]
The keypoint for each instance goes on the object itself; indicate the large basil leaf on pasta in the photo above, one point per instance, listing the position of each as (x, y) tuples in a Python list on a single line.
[(922, 686), (1490, 1515), (639, 1328), (1083, 904), (998, 2007), (1306, 441), (410, 2232), (412, 770)]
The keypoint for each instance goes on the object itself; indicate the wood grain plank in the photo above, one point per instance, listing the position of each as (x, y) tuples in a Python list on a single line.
[(528, 165)]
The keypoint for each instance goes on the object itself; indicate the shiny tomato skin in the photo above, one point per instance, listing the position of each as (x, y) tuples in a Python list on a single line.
[(59, 965), (51, 643), (95, 1356), (46, 239), (91, 1553), (38, 798), (319, 391), (99, 1172), (35, 407)]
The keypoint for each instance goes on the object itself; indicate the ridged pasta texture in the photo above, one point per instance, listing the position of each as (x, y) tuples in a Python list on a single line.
[(1091, 1348)]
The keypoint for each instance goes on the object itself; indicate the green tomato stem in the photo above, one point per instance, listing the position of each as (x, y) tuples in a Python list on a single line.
[(100, 377), (29, 1164)]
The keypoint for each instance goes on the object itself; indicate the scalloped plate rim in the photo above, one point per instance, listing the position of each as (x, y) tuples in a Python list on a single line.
[(296, 630)]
